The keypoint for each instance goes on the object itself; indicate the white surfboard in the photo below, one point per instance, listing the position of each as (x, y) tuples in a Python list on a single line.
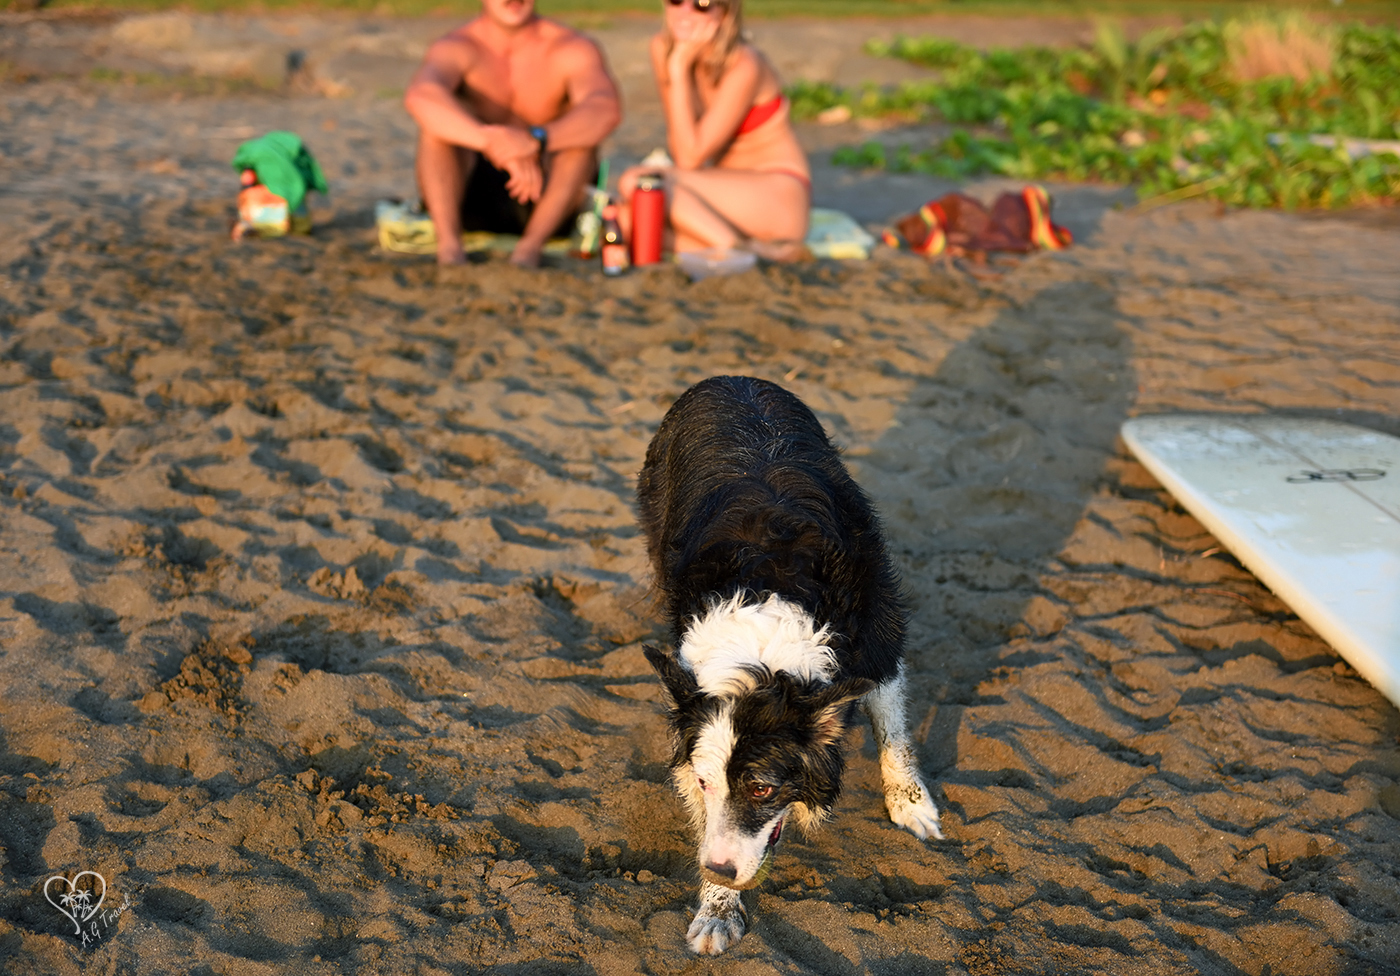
[(1311, 507)]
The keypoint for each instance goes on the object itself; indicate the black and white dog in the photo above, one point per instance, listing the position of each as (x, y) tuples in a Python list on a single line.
[(785, 611)]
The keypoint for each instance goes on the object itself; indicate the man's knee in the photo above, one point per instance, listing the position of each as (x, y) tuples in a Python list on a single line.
[(571, 160), (571, 168), (432, 148)]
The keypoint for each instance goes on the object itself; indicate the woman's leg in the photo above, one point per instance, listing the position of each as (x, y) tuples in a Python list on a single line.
[(697, 225), (765, 206), (720, 207)]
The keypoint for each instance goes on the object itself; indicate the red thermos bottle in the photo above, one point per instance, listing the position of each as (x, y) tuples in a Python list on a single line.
[(648, 220)]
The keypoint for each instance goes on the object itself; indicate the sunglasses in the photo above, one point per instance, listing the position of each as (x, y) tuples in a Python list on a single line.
[(701, 6)]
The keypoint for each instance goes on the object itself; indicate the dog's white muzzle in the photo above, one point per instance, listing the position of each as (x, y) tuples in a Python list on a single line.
[(740, 861)]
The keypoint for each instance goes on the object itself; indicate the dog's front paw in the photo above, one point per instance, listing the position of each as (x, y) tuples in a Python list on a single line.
[(710, 935), (716, 929), (912, 808)]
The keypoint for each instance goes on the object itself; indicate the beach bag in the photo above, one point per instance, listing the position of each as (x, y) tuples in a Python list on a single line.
[(276, 172), (283, 165), (957, 223)]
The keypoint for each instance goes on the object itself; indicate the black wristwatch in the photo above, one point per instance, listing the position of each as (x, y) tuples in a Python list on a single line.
[(538, 132)]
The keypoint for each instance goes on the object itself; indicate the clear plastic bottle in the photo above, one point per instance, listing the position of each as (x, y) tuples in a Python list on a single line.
[(588, 229)]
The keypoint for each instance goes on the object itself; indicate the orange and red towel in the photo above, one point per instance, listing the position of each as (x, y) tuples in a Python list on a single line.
[(1018, 222)]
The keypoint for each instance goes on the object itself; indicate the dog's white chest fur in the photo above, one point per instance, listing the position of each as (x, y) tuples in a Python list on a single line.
[(732, 638)]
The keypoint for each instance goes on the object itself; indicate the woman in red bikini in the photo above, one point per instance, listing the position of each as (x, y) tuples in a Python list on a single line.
[(740, 176)]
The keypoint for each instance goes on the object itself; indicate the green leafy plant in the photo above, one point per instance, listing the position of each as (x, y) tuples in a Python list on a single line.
[(1261, 112)]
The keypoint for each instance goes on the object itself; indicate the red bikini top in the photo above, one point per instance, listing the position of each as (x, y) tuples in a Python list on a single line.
[(760, 114)]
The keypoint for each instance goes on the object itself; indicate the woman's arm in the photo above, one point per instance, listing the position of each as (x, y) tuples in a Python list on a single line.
[(697, 134)]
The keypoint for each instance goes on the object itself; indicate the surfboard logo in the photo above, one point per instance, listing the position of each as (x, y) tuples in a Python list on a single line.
[(1336, 474)]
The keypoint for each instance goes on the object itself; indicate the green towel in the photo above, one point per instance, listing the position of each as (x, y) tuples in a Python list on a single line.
[(283, 166)]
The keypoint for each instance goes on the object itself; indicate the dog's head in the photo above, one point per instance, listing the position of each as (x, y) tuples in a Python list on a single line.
[(747, 763)]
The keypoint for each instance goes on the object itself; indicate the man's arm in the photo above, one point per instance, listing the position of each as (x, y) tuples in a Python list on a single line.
[(432, 101), (594, 107), (431, 97)]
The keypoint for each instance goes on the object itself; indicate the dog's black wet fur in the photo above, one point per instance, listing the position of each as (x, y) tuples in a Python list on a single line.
[(742, 492), (785, 610)]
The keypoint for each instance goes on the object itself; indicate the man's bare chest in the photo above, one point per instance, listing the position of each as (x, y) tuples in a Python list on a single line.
[(522, 87)]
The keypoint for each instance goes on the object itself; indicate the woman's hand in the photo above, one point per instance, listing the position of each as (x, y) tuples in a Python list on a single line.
[(698, 130), (627, 182), (690, 45)]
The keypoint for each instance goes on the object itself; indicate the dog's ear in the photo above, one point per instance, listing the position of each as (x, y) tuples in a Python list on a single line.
[(679, 680), (831, 705)]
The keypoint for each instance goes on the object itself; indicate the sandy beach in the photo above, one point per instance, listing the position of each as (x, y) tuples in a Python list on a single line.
[(322, 598)]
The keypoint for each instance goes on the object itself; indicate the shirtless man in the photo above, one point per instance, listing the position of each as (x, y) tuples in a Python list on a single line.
[(510, 110)]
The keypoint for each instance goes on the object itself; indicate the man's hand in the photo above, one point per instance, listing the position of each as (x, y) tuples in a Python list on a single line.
[(505, 143), (525, 180), (518, 154)]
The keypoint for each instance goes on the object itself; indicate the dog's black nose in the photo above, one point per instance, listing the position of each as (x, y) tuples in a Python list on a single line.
[(723, 870)]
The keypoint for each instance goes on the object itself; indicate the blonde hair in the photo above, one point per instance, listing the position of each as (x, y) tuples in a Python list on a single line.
[(727, 37)]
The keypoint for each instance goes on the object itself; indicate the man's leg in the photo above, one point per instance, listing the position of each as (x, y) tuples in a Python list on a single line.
[(443, 170), (569, 171)]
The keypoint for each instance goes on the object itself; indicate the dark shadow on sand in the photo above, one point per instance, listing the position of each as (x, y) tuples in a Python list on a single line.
[(982, 481), (986, 473)]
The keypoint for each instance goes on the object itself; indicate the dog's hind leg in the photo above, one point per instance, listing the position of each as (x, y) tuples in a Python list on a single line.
[(720, 921), (906, 797)]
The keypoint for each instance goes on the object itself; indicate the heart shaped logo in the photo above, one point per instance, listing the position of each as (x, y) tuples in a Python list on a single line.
[(77, 903)]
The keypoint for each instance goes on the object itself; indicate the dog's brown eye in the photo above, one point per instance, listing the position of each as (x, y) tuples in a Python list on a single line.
[(700, 781), (761, 791)]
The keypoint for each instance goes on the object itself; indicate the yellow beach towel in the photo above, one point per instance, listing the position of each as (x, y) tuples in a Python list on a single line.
[(404, 229)]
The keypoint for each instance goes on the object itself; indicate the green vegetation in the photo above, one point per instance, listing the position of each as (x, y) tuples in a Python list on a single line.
[(1223, 109)]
